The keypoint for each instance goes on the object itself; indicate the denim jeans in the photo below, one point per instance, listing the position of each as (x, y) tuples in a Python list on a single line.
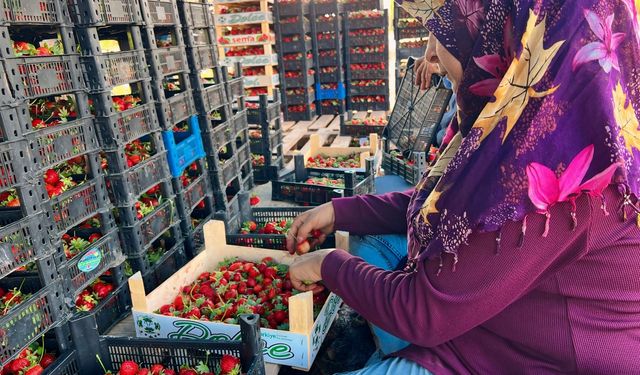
[(384, 251)]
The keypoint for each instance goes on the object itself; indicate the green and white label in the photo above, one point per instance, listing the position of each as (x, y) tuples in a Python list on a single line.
[(90, 260)]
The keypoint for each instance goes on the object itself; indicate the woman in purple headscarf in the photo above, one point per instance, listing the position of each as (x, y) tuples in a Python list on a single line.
[(523, 238)]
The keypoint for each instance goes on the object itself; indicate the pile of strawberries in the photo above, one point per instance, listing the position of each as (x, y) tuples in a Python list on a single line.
[(325, 181), (375, 13), (361, 50), (376, 66), (328, 53), (328, 69), (91, 296), (295, 56), (366, 32), (243, 9), (329, 86), (238, 287), (414, 44), (171, 85), (21, 49), (293, 74), (245, 51), (409, 23), (256, 91), (330, 103), (9, 198), (31, 361), (56, 183), (10, 299), (243, 30), (326, 35), (188, 175), (325, 161), (301, 108), (369, 99), (257, 160), (73, 245), (148, 202), (122, 103), (296, 91), (289, 39), (271, 227), (48, 112), (136, 152), (369, 82), (229, 365), (256, 71)]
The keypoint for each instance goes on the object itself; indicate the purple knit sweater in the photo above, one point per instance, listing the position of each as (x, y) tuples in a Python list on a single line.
[(567, 303)]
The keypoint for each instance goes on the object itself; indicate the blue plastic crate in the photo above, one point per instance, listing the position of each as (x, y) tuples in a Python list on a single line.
[(183, 148), (324, 94)]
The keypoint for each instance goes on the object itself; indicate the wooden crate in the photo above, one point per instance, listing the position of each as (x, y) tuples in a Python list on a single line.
[(297, 347), (315, 148)]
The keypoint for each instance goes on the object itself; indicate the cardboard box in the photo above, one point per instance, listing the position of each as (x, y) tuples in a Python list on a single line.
[(297, 347)]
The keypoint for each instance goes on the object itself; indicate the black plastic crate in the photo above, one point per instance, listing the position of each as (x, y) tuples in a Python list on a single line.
[(366, 23), (369, 74), (412, 32), (175, 109), (374, 106), (307, 98), (106, 71), (299, 46), (54, 145), (334, 25), (365, 58), (196, 15), (304, 81), (197, 37), (105, 12), (293, 187), (368, 40), (329, 60), (35, 12), (240, 121), (265, 174), (102, 318), (300, 27), (143, 232), (324, 44), (368, 90), (121, 128), (335, 76), (261, 145), (168, 60), (72, 207), (126, 187), (188, 197), (211, 98), (116, 158), (36, 315), (160, 12), (170, 353), (235, 88), (16, 164), (263, 215), (408, 170), (194, 237), (14, 122), (355, 5), (328, 7), (214, 139), (86, 266), (268, 114), (229, 200), (202, 57), (292, 8), (22, 241), (332, 107), (301, 64), (222, 174), (172, 260), (66, 364), (307, 115), (33, 77)]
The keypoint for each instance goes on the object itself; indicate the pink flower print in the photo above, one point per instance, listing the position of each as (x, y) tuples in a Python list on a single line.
[(495, 65), (635, 19), (545, 189), (605, 50)]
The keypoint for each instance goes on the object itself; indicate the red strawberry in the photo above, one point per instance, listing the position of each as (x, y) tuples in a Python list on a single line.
[(254, 200), (94, 237), (228, 363), (128, 368), (201, 205), (51, 177), (35, 370), (187, 371), (155, 369), (43, 51), (178, 303), (47, 360), (316, 233), (303, 247), (165, 310), (18, 365), (143, 371), (169, 371), (194, 313)]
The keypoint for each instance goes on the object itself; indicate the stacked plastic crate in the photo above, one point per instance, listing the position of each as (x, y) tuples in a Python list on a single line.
[(295, 55), (411, 39), (178, 118), (133, 154), (327, 31), (245, 35), (265, 137), (367, 57), (239, 117)]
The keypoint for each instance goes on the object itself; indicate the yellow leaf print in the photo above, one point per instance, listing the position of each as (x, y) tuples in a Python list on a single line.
[(429, 206), (516, 88), (423, 9), (626, 119)]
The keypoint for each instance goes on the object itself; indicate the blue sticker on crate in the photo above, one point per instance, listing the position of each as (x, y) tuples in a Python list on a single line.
[(327, 94), (90, 261), (183, 148)]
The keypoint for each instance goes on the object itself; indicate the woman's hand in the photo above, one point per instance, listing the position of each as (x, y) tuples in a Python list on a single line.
[(305, 272), (427, 65), (321, 218)]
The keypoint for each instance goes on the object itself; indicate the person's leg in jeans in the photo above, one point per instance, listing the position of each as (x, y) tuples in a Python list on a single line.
[(384, 251), (391, 366)]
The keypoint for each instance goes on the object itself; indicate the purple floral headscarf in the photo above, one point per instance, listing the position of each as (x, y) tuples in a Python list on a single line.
[(550, 98)]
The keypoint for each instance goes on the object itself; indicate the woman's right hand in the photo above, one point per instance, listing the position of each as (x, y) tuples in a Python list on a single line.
[(320, 219)]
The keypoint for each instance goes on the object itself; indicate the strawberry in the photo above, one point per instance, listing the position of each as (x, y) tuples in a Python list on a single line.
[(169, 371), (43, 51), (157, 369), (201, 205), (165, 310), (35, 370), (228, 364), (128, 368), (316, 233), (303, 247), (94, 237), (178, 303), (18, 365), (187, 371), (47, 360), (193, 314), (51, 177), (254, 200), (143, 371)]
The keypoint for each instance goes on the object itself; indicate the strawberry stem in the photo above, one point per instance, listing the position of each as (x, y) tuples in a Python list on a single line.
[(17, 293)]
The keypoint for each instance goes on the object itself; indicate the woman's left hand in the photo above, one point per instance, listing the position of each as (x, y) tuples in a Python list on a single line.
[(306, 271)]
